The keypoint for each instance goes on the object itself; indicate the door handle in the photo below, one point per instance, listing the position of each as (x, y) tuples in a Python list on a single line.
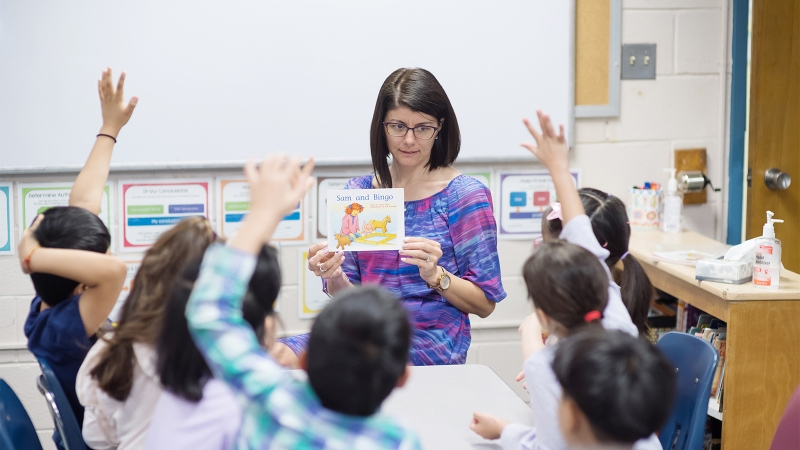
[(777, 180)]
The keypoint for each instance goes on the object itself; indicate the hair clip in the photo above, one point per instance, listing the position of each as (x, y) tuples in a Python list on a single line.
[(592, 316), (556, 212)]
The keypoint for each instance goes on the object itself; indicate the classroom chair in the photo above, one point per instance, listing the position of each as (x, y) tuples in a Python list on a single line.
[(16, 429), (63, 418), (695, 361), (788, 434)]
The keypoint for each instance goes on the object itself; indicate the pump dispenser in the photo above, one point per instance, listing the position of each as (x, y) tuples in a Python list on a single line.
[(671, 205), (767, 268)]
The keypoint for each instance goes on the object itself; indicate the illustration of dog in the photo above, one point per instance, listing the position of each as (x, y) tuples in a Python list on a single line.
[(380, 223), (366, 229), (342, 240)]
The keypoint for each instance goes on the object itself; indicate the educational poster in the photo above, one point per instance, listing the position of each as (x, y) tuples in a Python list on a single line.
[(234, 203), (524, 196), (149, 208), (6, 246), (324, 184), (133, 268), (310, 298), (365, 219), (35, 198)]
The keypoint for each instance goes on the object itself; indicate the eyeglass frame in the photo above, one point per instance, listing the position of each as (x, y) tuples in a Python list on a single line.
[(413, 130)]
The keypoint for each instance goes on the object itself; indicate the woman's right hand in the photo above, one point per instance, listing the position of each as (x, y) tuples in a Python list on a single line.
[(324, 263)]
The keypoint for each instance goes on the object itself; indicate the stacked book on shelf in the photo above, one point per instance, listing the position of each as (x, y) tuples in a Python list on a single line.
[(712, 330), (661, 318)]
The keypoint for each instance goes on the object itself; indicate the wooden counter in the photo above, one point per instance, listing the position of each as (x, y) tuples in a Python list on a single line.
[(763, 338)]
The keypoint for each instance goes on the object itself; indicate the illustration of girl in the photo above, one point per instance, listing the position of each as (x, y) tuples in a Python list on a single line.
[(350, 226)]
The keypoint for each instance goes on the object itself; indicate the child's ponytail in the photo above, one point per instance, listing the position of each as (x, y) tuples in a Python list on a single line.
[(637, 291)]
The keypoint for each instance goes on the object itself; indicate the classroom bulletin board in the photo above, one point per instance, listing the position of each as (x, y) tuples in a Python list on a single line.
[(597, 57)]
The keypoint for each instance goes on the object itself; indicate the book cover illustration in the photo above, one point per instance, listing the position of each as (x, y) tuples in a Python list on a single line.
[(365, 219)]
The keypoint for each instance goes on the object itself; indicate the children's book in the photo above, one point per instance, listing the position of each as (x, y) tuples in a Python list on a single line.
[(365, 220)]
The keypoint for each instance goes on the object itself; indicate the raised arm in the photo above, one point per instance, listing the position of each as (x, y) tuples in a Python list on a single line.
[(87, 192), (102, 274), (214, 310), (552, 151)]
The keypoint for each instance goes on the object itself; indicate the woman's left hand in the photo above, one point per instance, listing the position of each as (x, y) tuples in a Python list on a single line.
[(425, 254)]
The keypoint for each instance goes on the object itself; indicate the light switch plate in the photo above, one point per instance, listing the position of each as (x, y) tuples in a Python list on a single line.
[(638, 61)]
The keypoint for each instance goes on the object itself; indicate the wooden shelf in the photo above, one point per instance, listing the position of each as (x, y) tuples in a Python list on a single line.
[(762, 358)]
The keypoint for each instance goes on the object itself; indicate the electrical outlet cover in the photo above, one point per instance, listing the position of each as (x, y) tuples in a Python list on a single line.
[(643, 57)]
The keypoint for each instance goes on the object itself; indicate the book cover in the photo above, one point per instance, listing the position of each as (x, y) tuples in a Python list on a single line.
[(366, 219), (720, 345)]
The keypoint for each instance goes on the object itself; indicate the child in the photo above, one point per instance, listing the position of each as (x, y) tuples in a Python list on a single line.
[(616, 389), (570, 290), (195, 410), (64, 250), (610, 225), (357, 351), (117, 382)]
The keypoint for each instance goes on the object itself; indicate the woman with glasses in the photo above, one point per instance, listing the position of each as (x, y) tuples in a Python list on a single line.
[(448, 267)]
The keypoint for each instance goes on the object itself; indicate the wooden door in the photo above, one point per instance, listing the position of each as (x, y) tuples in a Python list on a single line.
[(775, 121)]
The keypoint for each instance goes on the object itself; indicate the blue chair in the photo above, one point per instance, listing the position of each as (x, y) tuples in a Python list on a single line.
[(63, 418), (16, 429), (695, 361)]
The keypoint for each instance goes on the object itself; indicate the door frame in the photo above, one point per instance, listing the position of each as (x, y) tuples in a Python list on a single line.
[(738, 121)]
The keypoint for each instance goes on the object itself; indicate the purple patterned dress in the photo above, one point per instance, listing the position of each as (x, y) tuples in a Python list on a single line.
[(460, 218)]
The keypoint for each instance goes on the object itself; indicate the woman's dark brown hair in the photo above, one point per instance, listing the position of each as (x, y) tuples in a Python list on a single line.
[(418, 90), (143, 310), (610, 225), (566, 282)]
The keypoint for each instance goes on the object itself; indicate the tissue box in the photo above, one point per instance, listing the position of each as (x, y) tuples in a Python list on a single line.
[(724, 271)]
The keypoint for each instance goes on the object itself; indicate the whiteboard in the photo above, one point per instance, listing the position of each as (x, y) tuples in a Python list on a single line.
[(223, 81)]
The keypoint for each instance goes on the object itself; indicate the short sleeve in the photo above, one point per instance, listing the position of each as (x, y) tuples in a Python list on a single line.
[(473, 231)]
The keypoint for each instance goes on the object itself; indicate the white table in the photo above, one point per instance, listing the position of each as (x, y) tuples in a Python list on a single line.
[(438, 402)]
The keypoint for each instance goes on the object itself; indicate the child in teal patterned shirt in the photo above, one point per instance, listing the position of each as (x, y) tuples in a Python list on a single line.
[(357, 352)]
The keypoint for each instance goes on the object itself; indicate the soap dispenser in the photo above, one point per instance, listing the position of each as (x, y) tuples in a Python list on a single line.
[(767, 268), (671, 205)]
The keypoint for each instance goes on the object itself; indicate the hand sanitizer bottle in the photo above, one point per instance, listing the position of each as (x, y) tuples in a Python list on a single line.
[(767, 269), (671, 205)]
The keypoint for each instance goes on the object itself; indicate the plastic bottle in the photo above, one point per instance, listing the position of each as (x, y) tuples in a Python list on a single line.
[(767, 269), (671, 205)]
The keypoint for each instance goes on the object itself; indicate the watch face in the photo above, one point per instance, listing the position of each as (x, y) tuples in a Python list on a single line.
[(445, 283)]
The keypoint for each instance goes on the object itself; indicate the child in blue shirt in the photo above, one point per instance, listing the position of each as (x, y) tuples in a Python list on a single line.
[(64, 251)]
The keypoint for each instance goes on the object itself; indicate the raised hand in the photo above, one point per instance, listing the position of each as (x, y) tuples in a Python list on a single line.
[(116, 112), (275, 189), (551, 148), (278, 184)]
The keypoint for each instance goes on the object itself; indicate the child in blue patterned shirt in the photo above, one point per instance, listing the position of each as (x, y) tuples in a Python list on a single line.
[(356, 355)]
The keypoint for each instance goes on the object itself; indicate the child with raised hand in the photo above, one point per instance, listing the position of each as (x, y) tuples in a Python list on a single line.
[(64, 250), (571, 290), (616, 390), (357, 351), (610, 225)]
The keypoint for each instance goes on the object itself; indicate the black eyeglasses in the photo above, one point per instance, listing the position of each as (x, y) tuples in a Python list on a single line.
[(420, 132)]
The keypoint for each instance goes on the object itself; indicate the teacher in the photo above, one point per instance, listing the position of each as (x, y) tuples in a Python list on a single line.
[(448, 267)]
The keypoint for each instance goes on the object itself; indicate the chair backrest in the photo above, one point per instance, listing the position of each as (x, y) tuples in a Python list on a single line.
[(63, 418), (788, 434), (695, 361), (16, 429)]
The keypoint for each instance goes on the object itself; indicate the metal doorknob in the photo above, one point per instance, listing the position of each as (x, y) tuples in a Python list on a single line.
[(777, 180)]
